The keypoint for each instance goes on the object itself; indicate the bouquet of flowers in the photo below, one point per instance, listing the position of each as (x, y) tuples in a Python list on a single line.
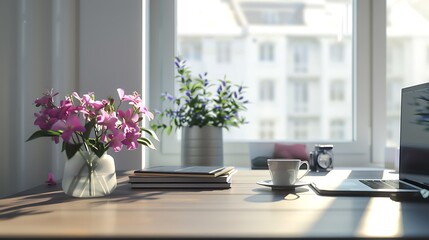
[(84, 123), (202, 103)]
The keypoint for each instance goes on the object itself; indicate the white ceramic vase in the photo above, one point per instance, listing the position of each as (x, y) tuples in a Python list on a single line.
[(86, 175), (202, 146)]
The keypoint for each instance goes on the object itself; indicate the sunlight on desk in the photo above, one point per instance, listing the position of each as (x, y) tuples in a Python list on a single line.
[(382, 218)]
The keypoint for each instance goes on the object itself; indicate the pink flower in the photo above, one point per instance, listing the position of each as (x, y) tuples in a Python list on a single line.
[(67, 108), (83, 119), (143, 109), (121, 93), (136, 101), (133, 99), (131, 139), (116, 139), (129, 119), (46, 100), (97, 105), (106, 119), (41, 121), (71, 125), (87, 100), (46, 118)]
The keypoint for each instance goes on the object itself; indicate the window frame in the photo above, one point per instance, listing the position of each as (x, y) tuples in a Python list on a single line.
[(267, 93), (366, 145), (266, 52)]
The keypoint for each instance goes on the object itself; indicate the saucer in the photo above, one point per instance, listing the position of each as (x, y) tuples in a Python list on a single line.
[(269, 183)]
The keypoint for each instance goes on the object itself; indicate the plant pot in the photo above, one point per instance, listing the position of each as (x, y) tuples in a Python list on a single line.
[(86, 175), (202, 146)]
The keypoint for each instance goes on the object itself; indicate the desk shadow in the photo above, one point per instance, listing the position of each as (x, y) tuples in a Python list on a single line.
[(267, 195), (51, 195), (321, 173), (414, 218)]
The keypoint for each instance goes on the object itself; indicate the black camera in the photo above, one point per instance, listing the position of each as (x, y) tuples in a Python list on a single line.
[(322, 158)]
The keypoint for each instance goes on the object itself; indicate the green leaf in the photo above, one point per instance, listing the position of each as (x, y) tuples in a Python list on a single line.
[(152, 133), (71, 149), (44, 133), (88, 128), (97, 147), (146, 142), (100, 150)]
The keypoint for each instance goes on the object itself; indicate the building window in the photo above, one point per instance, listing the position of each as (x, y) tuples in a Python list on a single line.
[(266, 129), (336, 52), (300, 58), (266, 52), (273, 13), (270, 17), (337, 91), (300, 129), (223, 52), (191, 49), (300, 96), (266, 90), (337, 130)]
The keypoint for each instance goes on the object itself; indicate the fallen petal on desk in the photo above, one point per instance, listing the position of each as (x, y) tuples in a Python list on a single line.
[(51, 181)]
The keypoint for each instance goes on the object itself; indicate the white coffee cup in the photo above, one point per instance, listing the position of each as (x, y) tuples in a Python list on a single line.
[(284, 172)]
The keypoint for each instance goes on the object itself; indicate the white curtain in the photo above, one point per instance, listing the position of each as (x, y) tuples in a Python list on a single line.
[(48, 44), (38, 52)]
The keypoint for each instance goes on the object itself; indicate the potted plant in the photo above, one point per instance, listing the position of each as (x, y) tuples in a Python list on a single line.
[(201, 110), (88, 128)]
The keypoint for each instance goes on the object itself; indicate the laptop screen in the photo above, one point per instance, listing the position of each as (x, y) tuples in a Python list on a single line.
[(414, 134)]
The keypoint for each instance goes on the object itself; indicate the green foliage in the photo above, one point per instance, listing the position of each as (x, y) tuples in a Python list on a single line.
[(201, 102)]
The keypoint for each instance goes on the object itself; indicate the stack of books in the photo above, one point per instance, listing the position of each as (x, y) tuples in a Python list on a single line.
[(196, 177)]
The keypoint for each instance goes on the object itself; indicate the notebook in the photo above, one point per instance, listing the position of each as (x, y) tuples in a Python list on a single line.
[(413, 154)]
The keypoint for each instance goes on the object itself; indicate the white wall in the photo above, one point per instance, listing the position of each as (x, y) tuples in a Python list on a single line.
[(68, 45), (110, 55)]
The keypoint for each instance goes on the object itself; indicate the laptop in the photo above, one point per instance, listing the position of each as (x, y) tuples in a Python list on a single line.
[(413, 154)]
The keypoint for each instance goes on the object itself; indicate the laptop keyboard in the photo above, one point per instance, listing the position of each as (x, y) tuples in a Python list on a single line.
[(385, 184)]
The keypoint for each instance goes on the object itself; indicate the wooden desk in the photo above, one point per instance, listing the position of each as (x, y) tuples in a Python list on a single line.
[(247, 210)]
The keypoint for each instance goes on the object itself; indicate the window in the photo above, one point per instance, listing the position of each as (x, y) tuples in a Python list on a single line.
[(406, 57), (389, 61), (270, 17), (393, 90), (300, 96), (266, 90), (272, 13), (299, 129), (337, 130), (392, 135), (266, 130), (336, 92), (299, 59), (191, 49), (266, 52), (336, 52), (295, 76), (395, 57), (223, 52)]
